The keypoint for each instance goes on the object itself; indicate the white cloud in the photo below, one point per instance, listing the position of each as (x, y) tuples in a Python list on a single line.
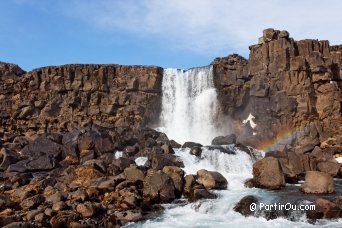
[(212, 26)]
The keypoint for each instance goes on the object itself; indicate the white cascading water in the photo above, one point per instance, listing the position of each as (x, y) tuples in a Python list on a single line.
[(189, 105), (188, 113), (236, 168)]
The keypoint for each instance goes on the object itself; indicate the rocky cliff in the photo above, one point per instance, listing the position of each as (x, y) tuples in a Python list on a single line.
[(74, 150), (291, 88), (61, 98)]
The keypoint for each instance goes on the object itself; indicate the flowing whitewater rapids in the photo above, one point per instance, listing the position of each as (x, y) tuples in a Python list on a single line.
[(189, 109)]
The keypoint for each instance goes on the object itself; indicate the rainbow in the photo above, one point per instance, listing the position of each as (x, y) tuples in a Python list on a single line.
[(283, 137)]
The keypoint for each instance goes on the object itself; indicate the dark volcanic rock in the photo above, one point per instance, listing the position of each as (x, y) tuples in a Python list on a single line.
[(244, 205), (324, 209), (211, 179), (318, 182), (159, 188), (224, 140), (191, 145), (197, 151), (288, 86), (60, 127), (267, 173)]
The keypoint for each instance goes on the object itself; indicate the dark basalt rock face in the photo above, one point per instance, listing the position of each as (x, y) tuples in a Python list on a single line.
[(288, 86), (61, 98), (60, 127)]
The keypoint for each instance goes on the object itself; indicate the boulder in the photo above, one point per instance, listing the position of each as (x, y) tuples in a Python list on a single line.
[(191, 145), (160, 160), (85, 173), (175, 144), (32, 202), (87, 209), (324, 209), (267, 173), (318, 182), (211, 179), (224, 140), (19, 224), (133, 174), (244, 205), (288, 170), (159, 188), (200, 192), (128, 216), (42, 146), (333, 168), (197, 151), (7, 157), (189, 182), (167, 148), (177, 176), (284, 34), (270, 34)]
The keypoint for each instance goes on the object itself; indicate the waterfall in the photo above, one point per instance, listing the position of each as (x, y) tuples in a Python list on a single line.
[(189, 105)]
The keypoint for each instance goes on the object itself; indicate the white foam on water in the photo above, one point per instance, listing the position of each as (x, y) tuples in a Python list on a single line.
[(189, 110), (236, 168), (189, 105)]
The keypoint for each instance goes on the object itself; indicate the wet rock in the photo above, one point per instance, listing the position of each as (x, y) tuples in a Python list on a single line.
[(191, 145), (174, 144), (211, 179), (223, 149), (199, 192), (224, 140), (189, 182), (324, 209), (167, 148), (244, 205), (197, 151), (249, 183), (159, 188), (177, 176), (318, 182), (267, 173)]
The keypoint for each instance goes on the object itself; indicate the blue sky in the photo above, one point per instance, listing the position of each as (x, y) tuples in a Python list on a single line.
[(177, 33)]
